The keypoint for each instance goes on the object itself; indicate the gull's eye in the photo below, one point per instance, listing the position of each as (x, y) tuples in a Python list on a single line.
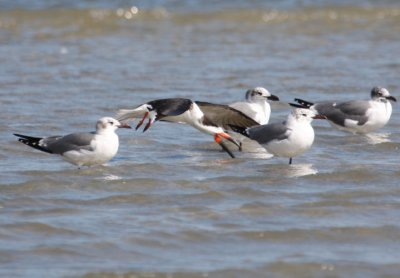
[(305, 115), (111, 123)]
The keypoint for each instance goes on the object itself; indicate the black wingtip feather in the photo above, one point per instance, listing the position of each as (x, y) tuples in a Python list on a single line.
[(297, 105), (304, 102), (27, 137), (31, 142), (239, 129)]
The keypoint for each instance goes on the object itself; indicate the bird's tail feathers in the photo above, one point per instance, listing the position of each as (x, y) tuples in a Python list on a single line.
[(304, 103), (240, 130), (126, 114), (296, 105), (33, 142)]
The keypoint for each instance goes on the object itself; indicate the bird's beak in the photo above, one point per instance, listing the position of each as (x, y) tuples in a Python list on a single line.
[(273, 98), (391, 98), (124, 125), (218, 138), (319, 117), (230, 139)]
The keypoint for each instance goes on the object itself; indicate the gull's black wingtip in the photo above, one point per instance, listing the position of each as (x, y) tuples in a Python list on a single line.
[(240, 130), (297, 105), (303, 102), (20, 135), (32, 142)]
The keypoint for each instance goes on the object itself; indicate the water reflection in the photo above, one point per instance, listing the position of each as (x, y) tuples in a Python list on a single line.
[(300, 170), (377, 138), (254, 150), (111, 177)]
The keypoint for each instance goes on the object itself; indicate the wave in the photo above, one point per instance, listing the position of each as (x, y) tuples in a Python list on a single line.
[(81, 21)]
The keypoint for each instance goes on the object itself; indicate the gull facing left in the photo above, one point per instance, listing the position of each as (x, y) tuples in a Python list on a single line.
[(84, 148)]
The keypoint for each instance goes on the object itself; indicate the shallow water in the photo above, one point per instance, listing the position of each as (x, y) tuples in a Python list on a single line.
[(171, 204)]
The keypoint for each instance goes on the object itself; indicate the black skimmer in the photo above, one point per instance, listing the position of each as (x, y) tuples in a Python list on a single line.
[(209, 118), (356, 116), (84, 148)]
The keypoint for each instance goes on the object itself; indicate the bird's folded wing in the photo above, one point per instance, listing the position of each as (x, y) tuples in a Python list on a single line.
[(264, 134), (338, 113), (74, 141)]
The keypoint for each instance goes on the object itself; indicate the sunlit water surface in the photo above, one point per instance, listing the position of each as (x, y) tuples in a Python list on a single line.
[(171, 204)]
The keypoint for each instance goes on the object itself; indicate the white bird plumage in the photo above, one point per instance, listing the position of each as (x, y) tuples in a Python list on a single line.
[(289, 138), (84, 148), (356, 116), (256, 105)]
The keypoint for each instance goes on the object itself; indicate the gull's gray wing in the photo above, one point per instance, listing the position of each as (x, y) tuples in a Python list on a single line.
[(225, 116), (338, 112), (264, 134), (70, 142)]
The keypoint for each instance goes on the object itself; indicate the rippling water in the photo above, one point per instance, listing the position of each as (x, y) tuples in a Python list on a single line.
[(171, 204)]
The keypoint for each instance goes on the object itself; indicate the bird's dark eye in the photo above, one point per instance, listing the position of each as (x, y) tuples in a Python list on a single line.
[(111, 123), (305, 115)]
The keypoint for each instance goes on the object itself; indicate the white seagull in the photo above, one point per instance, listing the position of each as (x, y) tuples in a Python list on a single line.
[(289, 138), (256, 105), (84, 148), (356, 116), (209, 118)]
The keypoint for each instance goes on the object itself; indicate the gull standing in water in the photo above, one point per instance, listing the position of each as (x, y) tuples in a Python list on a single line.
[(289, 138), (212, 120), (84, 148), (356, 116), (256, 105)]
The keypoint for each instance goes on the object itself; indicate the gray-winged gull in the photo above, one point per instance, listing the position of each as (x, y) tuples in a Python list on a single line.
[(289, 138), (356, 116), (84, 148)]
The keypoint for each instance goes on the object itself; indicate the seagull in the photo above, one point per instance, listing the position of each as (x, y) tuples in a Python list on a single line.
[(209, 118), (289, 138), (356, 116), (256, 105), (84, 148)]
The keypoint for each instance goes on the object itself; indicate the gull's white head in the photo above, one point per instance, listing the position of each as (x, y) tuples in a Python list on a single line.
[(382, 94), (259, 94), (108, 123)]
